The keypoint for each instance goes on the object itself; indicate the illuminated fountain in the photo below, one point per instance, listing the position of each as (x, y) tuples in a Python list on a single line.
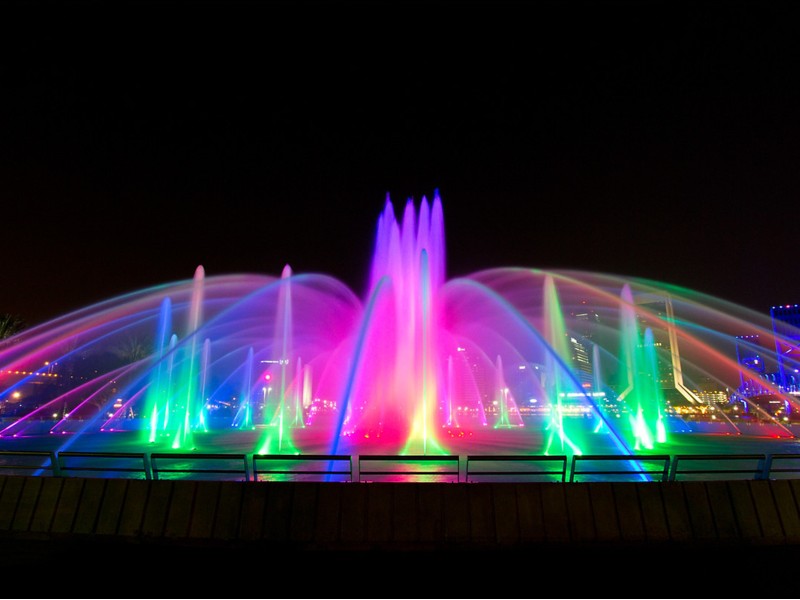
[(504, 360)]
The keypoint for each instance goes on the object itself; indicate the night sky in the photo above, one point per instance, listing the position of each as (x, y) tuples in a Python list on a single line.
[(648, 139)]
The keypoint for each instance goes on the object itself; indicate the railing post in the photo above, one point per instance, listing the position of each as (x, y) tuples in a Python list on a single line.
[(55, 464), (149, 472), (673, 468), (572, 468), (766, 467), (248, 472)]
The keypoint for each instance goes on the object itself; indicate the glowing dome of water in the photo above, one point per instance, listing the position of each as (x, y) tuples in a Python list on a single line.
[(510, 358)]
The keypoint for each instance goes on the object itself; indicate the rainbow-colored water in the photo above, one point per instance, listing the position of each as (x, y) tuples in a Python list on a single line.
[(506, 359)]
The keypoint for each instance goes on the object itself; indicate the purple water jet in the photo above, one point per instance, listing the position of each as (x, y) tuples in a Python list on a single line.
[(507, 359)]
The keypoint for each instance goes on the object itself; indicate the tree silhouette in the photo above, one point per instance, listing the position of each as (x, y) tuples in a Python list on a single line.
[(10, 325)]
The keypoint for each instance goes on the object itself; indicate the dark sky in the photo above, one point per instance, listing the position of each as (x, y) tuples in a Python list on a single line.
[(650, 139)]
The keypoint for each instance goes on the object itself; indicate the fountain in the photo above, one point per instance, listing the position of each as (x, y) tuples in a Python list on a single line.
[(505, 360)]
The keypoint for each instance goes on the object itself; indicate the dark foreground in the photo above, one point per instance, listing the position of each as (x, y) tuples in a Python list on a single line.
[(117, 538), (73, 568)]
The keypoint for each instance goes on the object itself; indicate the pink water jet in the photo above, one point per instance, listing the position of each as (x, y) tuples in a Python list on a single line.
[(510, 358)]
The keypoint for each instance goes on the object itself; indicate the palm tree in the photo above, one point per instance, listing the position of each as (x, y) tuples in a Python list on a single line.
[(131, 350), (10, 325)]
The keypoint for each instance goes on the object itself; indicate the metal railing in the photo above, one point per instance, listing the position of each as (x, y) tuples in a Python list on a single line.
[(408, 467), (169, 465), (519, 467), (387, 467), (25, 462), (302, 467), (729, 466), (782, 466), (601, 467), (110, 464)]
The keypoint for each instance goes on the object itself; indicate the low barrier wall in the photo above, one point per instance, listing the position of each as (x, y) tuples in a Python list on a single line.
[(308, 516)]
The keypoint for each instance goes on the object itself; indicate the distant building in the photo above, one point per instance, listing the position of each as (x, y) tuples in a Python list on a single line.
[(750, 354), (581, 349), (786, 326), (771, 372)]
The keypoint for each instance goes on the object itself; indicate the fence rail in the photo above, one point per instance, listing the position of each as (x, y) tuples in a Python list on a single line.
[(782, 466), (520, 467), (28, 462), (387, 467), (172, 465), (302, 467), (732, 466), (650, 467), (408, 467), (111, 464)]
